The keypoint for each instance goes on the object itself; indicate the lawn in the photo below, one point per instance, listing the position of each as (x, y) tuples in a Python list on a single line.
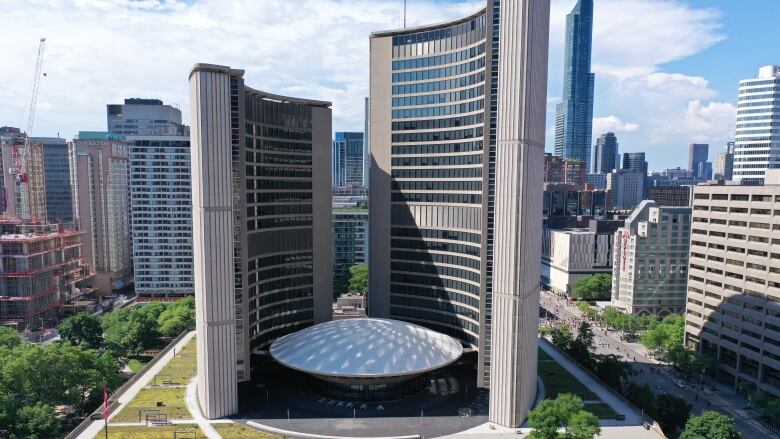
[(136, 364), (171, 397), (178, 371), (557, 380), (601, 410), (163, 432), (238, 431)]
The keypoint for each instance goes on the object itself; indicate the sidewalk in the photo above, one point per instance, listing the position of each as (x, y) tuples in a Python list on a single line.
[(97, 426)]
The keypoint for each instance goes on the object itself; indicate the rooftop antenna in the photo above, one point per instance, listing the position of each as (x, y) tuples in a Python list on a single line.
[(404, 14)]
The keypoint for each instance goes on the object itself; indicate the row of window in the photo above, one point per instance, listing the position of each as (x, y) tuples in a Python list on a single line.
[(413, 232), (446, 84), (435, 246), (437, 185), (444, 110), (262, 184), (449, 307), (277, 145), (438, 148), (435, 270), (289, 258), (441, 72), (453, 160), (450, 319), (435, 258), (432, 61), (436, 198), (278, 159), (434, 293), (434, 124), (438, 173), (438, 136), (439, 98)]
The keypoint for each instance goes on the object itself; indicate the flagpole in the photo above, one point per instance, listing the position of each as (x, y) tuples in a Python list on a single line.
[(105, 407)]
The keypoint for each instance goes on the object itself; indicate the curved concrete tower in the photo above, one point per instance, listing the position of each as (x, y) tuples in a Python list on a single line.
[(522, 95)]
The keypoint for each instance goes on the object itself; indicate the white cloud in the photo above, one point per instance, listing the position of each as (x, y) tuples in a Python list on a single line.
[(602, 125), (102, 51), (632, 42)]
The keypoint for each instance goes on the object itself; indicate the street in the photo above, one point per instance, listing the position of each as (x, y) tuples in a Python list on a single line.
[(661, 378)]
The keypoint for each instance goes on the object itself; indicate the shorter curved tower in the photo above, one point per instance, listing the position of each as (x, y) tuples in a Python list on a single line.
[(262, 231)]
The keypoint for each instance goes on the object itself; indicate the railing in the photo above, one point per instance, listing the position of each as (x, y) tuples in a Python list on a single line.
[(112, 401), (652, 423)]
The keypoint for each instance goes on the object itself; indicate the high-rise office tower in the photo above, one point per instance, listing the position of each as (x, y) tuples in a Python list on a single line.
[(456, 166), (724, 163), (634, 162), (348, 159), (627, 188), (366, 147), (574, 114), (56, 169), (262, 227), (101, 198), (650, 257), (757, 142), (697, 153), (160, 195), (22, 185), (733, 309), (605, 154), (704, 171)]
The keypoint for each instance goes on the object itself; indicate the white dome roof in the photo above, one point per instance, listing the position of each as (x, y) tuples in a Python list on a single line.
[(366, 347)]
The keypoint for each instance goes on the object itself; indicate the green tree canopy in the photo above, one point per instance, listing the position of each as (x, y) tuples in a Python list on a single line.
[(566, 411), (665, 335), (641, 396), (35, 422), (710, 425), (9, 337), (358, 279), (179, 316), (596, 287), (82, 329), (130, 331), (671, 412)]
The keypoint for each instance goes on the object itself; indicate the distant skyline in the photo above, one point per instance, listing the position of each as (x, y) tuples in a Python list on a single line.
[(667, 71)]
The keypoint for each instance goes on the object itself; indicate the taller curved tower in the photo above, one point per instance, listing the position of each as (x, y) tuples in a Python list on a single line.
[(457, 119)]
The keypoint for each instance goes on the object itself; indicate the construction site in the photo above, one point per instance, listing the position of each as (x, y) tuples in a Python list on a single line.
[(40, 270)]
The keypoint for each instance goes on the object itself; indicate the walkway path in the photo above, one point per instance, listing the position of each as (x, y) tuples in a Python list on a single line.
[(97, 426), (632, 418), (191, 399)]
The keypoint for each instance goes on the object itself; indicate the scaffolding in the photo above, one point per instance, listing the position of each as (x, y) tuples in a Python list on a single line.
[(40, 265)]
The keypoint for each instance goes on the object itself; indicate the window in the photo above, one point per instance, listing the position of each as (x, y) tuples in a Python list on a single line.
[(720, 197), (756, 197), (760, 225), (739, 210), (739, 197), (759, 239)]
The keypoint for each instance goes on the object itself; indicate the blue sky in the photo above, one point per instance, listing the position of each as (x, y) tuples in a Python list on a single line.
[(667, 70)]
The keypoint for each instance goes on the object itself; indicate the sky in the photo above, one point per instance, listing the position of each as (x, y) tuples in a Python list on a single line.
[(667, 71)]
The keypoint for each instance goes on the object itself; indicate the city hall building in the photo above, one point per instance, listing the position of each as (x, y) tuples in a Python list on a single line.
[(457, 125)]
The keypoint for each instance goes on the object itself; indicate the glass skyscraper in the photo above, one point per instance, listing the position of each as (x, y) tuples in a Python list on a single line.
[(757, 146), (348, 159), (574, 115), (605, 154)]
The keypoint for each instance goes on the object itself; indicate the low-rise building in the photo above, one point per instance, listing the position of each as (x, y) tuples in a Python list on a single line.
[(569, 255), (733, 303), (41, 266), (349, 306), (650, 260)]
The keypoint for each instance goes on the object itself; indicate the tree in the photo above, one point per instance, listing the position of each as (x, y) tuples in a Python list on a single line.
[(566, 411), (671, 412), (82, 329), (358, 279), (179, 316), (130, 331), (641, 396), (665, 335), (710, 425), (35, 422), (580, 349), (611, 369), (561, 337), (583, 425), (596, 287), (9, 337)]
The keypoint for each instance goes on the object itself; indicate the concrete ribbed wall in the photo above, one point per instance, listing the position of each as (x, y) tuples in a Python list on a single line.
[(522, 98), (212, 224)]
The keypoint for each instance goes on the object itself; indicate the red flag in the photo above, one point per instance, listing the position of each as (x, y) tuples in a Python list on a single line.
[(105, 403)]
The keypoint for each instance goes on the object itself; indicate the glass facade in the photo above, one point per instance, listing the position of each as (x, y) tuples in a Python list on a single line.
[(757, 146), (278, 219), (438, 135), (348, 159), (574, 114)]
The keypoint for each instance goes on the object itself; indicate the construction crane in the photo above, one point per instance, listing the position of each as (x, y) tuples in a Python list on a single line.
[(18, 168)]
